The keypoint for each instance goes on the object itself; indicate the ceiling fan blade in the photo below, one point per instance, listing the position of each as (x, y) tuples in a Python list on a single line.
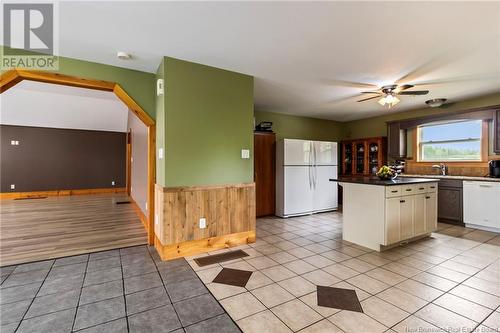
[(404, 87), (351, 84), (459, 79), (416, 92), (366, 99), (370, 92)]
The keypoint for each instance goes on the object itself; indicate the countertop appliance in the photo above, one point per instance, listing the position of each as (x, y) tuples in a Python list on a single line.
[(306, 177), (494, 168)]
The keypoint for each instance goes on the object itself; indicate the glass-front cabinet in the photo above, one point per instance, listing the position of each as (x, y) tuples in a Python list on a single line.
[(360, 158), (347, 158), (363, 156)]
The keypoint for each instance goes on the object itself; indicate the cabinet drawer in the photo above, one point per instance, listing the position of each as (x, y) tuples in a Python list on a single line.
[(408, 189), (432, 187), (392, 191), (421, 188)]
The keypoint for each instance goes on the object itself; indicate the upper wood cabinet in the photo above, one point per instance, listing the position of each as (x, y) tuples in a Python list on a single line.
[(496, 131), (363, 156), (396, 140)]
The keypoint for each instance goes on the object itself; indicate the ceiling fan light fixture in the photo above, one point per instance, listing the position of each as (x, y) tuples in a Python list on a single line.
[(389, 100), (435, 102)]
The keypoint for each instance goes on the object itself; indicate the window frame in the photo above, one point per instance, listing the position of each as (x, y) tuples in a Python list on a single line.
[(420, 143), (484, 141)]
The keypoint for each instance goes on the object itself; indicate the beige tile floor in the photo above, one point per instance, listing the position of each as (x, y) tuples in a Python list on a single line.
[(448, 282)]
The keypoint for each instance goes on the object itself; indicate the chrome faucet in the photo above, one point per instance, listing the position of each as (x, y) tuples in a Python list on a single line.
[(441, 167)]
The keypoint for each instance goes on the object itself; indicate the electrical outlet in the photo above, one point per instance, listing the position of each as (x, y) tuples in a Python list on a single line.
[(113, 182), (160, 153), (12, 186), (203, 223)]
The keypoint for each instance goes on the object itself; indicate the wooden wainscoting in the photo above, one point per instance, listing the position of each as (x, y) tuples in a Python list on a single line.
[(229, 211)]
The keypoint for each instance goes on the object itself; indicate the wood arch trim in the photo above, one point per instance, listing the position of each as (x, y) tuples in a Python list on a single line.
[(12, 77)]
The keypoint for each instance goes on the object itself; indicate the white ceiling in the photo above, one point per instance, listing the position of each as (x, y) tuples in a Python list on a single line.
[(38, 104), (303, 54)]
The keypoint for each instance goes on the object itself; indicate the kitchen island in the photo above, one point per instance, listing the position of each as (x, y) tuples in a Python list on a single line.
[(379, 214)]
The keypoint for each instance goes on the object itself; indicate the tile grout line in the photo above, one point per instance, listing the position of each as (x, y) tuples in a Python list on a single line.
[(80, 295), (33, 300), (123, 290)]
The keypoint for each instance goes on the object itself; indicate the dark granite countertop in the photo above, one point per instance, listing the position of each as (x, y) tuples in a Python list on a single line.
[(484, 179), (377, 181)]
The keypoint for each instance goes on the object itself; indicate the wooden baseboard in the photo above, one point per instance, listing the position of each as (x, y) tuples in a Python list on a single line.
[(194, 247), (55, 193), (139, 212)]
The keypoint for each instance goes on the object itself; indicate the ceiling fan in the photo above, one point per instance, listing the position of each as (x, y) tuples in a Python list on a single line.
[(389, 94)]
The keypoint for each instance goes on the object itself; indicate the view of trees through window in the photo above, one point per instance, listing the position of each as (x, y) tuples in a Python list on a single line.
[(452, 141)]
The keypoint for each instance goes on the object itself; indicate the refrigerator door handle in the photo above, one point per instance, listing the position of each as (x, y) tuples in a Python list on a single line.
[(315, 166)]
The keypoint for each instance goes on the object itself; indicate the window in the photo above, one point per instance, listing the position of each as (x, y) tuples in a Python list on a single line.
[(450, 141)]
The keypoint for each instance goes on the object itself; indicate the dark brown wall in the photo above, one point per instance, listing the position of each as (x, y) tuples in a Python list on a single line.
[(58, 159)]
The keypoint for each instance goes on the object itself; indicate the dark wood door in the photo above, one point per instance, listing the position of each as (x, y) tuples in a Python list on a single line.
[(265, 172)]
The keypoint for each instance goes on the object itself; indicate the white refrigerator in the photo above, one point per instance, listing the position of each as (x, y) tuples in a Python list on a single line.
[(306, 177)]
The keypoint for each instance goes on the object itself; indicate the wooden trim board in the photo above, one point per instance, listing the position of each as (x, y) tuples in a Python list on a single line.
[(55, 193), (189, 248), (142, 217), (12, 77)]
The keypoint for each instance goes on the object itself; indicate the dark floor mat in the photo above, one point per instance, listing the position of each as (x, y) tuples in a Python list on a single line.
[(338, 298), (122, 202), (233, 277), (226, 256), (30, 198)]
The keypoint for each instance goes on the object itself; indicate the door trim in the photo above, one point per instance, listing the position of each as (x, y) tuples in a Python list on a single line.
[(12, 77)]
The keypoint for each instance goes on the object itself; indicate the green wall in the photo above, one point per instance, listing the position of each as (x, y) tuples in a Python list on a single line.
[(376, 126), (294, 127), (160, 128), (208, 120), (139, 85)]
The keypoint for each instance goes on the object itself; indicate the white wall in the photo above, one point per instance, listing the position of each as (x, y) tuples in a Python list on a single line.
[(139, 172), (39, 104)]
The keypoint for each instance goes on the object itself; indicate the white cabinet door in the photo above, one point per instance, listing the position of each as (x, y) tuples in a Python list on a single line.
[(325, 153), (392, 223), (298, 191), (325, 191), (297, 152), (419, 213), (430, 212), (406, 217)]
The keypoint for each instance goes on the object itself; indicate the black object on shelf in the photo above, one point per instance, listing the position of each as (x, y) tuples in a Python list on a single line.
[(264, 126)]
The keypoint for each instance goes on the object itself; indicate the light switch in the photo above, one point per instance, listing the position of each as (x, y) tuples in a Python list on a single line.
[(203, 223), (12, 186), (245, 153), (113, 183), (160, 153)]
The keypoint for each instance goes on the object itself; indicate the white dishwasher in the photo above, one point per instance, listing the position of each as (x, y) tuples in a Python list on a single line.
[(481, 202)]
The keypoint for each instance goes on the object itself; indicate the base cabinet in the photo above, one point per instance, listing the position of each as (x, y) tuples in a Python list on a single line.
[(392, 220), (410, 211)]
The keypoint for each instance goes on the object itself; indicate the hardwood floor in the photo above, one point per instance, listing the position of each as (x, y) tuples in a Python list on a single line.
[(53, 227)]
